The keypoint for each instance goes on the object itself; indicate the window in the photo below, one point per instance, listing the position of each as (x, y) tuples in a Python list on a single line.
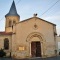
[(6, 43), (14, 22), (10, 23)]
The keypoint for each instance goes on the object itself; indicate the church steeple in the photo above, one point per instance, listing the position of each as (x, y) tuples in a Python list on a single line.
[(12, 18), (13, 11)]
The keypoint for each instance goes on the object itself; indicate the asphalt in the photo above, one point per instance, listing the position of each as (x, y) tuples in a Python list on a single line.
[(38, 58)]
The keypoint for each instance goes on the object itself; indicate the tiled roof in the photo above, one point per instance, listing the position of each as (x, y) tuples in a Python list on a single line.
[(37, 18), (13, 11), (5, 33)]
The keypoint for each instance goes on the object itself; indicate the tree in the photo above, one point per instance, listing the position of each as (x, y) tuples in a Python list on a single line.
[(2, 53)]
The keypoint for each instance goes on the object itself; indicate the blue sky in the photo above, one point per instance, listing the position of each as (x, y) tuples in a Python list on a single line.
[(26, 9)]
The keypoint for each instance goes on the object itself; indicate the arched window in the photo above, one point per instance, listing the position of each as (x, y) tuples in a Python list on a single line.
[(14, 22), (10, 23), (6, 43)]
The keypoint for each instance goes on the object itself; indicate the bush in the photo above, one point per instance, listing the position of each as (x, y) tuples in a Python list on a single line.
[(2, 53)]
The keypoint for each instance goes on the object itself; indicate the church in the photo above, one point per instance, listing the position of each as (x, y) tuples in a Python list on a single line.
[(33, 37)]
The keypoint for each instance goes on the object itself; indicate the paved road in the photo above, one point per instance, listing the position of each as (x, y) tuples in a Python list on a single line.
[(51, 58)]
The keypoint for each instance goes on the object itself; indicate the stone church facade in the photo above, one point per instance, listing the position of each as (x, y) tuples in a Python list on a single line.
[(33, 37)]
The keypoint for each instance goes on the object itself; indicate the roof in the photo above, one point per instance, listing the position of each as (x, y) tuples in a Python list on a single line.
[(13, 11), (5, 33), (38, 18)]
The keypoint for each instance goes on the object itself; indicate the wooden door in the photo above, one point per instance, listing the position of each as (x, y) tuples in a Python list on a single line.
[(33, 49), (36, 49)]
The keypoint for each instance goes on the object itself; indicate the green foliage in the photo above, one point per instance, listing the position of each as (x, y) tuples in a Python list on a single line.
[(2, 53)]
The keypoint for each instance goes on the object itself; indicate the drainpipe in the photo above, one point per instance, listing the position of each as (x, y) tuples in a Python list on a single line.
[(55, 35)]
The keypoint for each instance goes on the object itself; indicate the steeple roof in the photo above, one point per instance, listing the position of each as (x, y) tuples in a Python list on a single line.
[(13, 11)]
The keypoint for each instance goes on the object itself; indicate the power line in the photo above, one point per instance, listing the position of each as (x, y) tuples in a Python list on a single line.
[(4, 15), (50, 7), (2, 18), (42, 13), (18, 2)]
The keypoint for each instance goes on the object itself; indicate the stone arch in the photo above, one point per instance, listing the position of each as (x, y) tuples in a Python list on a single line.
[(35, 34), (14, 22), (41, 40), (10, 23)]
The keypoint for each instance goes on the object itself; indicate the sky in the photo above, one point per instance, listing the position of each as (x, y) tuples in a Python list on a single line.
[(26, 9)]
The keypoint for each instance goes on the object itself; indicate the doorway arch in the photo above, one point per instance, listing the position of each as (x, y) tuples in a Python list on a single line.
[(40, 40)]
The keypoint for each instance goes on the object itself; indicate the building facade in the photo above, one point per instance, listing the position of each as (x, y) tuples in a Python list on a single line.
[(58, 43), (33, 37)]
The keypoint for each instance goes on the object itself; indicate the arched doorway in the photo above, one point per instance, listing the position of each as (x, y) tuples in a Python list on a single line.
[(36, 49), (37, 45)]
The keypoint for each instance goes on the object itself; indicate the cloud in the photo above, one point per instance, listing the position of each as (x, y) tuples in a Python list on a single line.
[(53, 18), (58, 30), (56, 20)]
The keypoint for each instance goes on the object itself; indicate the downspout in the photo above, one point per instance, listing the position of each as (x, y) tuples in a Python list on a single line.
[(55, 39)]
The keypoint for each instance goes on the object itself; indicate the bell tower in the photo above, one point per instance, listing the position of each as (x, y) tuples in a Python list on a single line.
[(12, 18)]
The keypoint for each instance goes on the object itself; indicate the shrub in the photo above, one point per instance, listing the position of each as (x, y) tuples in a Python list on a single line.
[(2, 53)]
